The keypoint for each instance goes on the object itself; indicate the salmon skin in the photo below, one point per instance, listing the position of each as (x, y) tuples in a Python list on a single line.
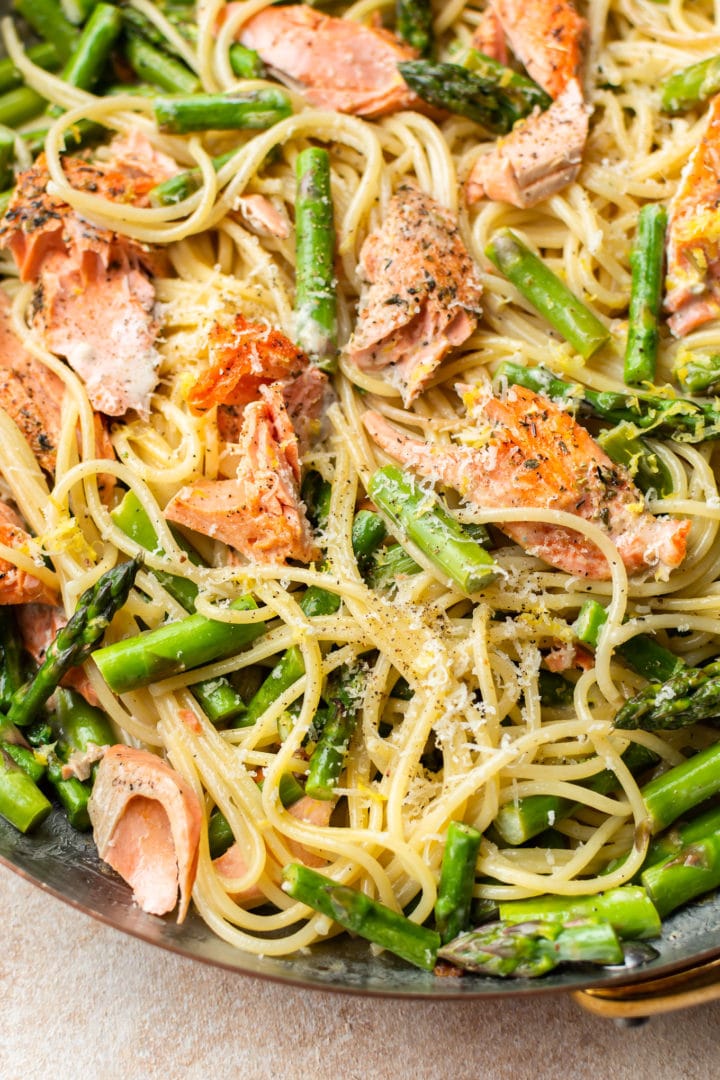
[(421, 293), (693, 239), (94, 302), (543, 153), (527, 452), (340, 64)]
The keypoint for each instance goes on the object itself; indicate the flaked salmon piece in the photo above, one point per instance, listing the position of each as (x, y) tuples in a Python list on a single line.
[(312, 812), (693, 236), (16, 585), (489, 37), (421, 293), (94, 303), (134, 156), (244, 357), (146, 824), (259, 512), (540, 156), (533, 454), (231, 866), (547, 36), (38, 624), (566, 655), (263, 217), (29, 393), (340, 64)]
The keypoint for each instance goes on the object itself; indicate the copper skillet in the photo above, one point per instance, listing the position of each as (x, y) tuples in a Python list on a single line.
[(685, 972)]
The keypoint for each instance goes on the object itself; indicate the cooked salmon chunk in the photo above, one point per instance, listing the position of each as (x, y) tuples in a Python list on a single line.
[(421, 293), (340, 64), (524, 451), (146, 824), (29, 393), (489, 37), (16, 585), (543, 153), (539, 157), (693, 241), (94, 301), (259, 512)]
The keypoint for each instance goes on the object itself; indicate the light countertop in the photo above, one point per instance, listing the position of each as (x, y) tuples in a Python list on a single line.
[(82, 1000)]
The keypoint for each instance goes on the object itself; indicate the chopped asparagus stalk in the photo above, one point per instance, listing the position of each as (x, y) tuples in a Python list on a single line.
[(518, 822), (414, 24), (457, 877), (690, 872), (368, 533), (289, 668), (184, 184), (555, 691), (328, 758), (689, 696), (90, 55), (22, 803), (697, 374), (529, 949), (642, 652), (78, 11), (245, 63), (73, 794), (646, 262), (81, 725), (361, 915), (45, 55), (678, 418), (670, 795), (628, 909), (669, 843), (154, 66), (421, 518), (48, 22), (26, 759), (315, 290), (690, 87), (389, 564), (253, 110), (76, 640), (174, 647), (623, 446), (480, 97), (11, 674), (547, 293), (7, 157), (526, 93), (20, 105)]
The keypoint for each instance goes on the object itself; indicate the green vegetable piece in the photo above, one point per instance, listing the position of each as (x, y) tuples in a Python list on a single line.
[(628, 909), (690, 87), (75, 641), (414, 24), (689, 696), (670, 795), (26, 759), (20, 105), (691, 872), (532, 948), (368, 533), (390, 564), (11, 673), (154, 66), (89, 57), (697, 374), (254, 110), (184, 184), (361, 915), (73, 794), (315, 286), (45, 55), (48, 22), (623, 445), (327, 761), (245, 63), (422, 518), (286, 672), (457, 877), (22, 803), (537, 283), (646, 261)]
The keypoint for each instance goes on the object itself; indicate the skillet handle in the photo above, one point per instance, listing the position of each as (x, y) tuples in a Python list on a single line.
[(637, 1002)]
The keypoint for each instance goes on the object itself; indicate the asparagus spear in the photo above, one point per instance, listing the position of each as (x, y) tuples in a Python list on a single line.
[(690, 87), (457, 877), (623, 446), (48, 22), (480, 97), (255, 109), (11, 675), (76, 640), (73, 794), (414, 24), (423, 519), (20, 105), (44, 54), (22, 803), (690, 872), (628, 909), (678, 418), (689, 696), (668, 796), (555, 691), (77, 11), (368, 533), (89, 56), (217, 697), (518, 822), (315, 291), (156, 67), (697, 374), (184, 184), (245, 63), (287, 671), (523, 90), (642, 652), (646, 262), (26, 759), (529, 949), (173, 648), (547, 293), (361, 915), (7, 157), (80, 724), (388, 564), (328, 758)]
